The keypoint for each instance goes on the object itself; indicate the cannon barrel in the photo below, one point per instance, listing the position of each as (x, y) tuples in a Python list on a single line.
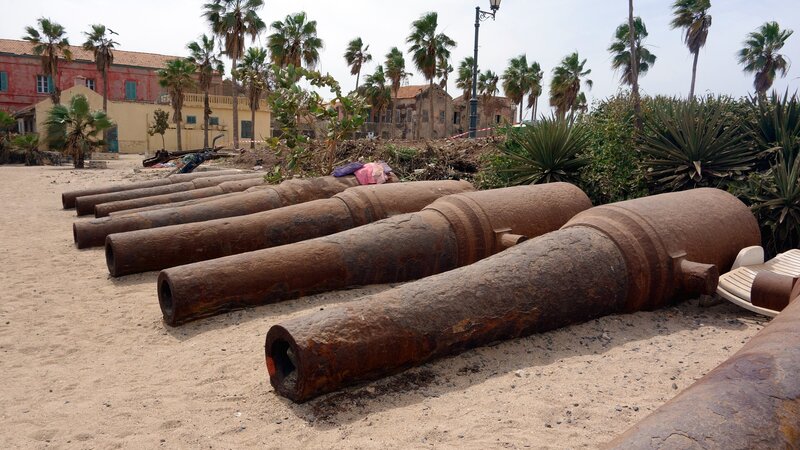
[(453, 231), (226, 187), (160, 248), (92, 233), (636, 254), (174, 204), (68, 198), (751, 400), (86, 204)]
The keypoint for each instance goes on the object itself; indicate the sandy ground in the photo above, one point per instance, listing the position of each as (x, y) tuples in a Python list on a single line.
[(86, 361)]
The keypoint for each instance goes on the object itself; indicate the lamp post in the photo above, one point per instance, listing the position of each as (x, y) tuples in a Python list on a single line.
[(480, 16)]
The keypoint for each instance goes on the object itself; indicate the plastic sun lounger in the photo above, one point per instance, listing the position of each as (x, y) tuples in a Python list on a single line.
[(735, 285)]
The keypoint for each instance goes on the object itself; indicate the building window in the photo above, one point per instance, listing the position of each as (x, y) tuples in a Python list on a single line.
[(90, 83), (130, 90), (213, 120), (191, 120), (457, 117), (424, 116), (497, 119), (44, 84), (441, 116), (3, 81), (247, 129)]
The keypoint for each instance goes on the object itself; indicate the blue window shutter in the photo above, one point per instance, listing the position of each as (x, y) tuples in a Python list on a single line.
[(51, 87), (3, 81), (130, 90)]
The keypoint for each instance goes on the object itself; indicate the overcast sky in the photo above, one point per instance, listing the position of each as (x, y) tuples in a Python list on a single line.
[(545, 30)]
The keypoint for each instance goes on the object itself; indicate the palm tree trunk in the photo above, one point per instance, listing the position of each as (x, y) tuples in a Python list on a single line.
[(178, 128), (105, 90), (535, 107), (637, 104), (380, 123), (235, 90), (253, 128), (206, 109), (694, 75), (358, 75), (520, 111), (430, 94)]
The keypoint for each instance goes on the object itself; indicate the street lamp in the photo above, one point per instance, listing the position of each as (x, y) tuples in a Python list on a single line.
[(480, 16)]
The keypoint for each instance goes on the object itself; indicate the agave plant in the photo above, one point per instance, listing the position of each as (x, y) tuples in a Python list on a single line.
[(690, 144), (547, 151), (776, 202), (777, 124)]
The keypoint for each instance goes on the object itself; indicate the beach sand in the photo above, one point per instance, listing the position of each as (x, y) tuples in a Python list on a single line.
[(86, 361)]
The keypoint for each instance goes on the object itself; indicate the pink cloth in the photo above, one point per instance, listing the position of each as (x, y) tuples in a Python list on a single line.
[(371, 173)]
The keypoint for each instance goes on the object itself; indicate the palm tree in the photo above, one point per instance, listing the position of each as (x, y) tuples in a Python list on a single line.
[(396, 73), (760, 55), (427, 49), (443, 71), (464, 78), (565, 87), (103, 48), (203, 55), (294, 41), (521, 79), (75, 128), (356, 55), (48, 42), (621, 54), (693, 17), (231, 20), (252, 73), (487, 89), (177, 77), (378, 93)]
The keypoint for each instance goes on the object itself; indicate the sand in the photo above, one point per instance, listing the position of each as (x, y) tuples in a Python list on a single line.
[(86, 361)]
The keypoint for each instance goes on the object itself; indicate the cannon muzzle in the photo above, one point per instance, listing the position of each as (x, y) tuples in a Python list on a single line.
[(160, 248), (93, 233), (637, 254), (453, 231), (68, 198)]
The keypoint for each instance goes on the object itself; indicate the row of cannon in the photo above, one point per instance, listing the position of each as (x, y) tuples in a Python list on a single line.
[(481, 266)]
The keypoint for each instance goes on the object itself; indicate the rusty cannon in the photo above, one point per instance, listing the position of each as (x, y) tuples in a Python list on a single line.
[(750, 401), (453, 231), (163, 247), (226, 187), (68, 198), (85, 205), (92, 233), (624, 257)]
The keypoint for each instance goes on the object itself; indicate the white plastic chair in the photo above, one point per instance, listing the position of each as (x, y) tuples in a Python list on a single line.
[(735, 285)]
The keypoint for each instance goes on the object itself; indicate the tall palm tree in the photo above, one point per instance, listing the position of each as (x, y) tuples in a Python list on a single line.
[(75, 128), (521, 79), (487, 89), (102, 46), (565, 87), (464, 77), (203, 54), (428, 48), (177, 77), (378, 93), (49, 41), (621, 54), (231, 20), (294, 41), (396, 73), (356, 55), (252, 72), (693, 17), (760, 55)]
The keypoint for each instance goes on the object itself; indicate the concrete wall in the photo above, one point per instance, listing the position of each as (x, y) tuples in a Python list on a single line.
[(133, 120)]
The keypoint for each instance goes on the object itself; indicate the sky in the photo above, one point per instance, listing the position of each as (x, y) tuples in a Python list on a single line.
[(544, 30)]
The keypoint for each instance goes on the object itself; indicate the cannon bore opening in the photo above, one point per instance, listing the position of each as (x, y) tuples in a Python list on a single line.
[(165, 299), (110, 259), (282, 365), (75, 233)]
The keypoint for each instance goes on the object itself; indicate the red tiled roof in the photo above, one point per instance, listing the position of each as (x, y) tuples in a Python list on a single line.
[(123, 58), (411, 91)]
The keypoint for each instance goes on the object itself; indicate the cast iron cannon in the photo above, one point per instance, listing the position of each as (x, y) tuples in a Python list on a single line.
[(453, 231), (261, 198), (163, 247), (85, 205), (624, 257), (68, 198)]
